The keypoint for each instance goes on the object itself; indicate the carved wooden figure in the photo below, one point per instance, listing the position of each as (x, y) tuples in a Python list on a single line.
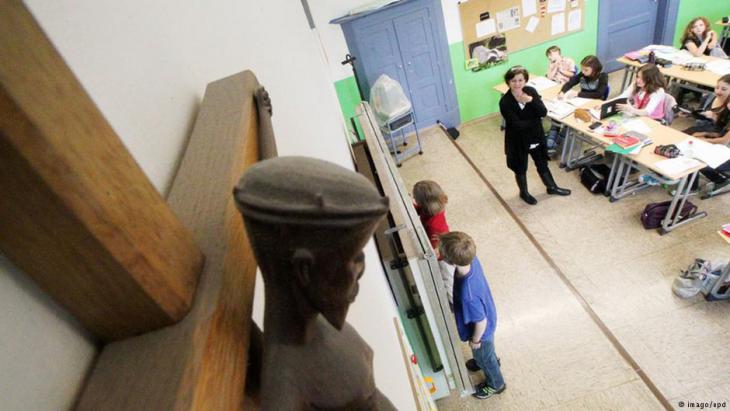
[(307, 221)]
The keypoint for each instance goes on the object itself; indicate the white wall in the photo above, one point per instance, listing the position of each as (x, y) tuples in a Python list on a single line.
[(44, 354), (146, 64), (334, 41)]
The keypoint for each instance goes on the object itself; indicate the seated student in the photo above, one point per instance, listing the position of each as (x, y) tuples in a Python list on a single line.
[(699, 39), (646, 95), (593, 82), (720, 138), (712, 108), (560, 69)]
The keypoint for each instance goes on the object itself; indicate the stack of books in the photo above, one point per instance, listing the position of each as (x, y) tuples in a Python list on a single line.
[(629, 143), (725, 232)]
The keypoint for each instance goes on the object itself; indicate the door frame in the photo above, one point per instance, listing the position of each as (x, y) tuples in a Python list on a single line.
[(664, 26)]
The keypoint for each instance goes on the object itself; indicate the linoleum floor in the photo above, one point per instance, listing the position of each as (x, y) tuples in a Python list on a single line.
[(572, 273)]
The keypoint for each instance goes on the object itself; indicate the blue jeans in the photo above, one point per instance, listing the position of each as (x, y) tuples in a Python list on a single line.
[(554, 137), (487, 361)]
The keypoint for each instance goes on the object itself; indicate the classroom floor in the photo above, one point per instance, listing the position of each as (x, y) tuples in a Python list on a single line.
[(587, 318)]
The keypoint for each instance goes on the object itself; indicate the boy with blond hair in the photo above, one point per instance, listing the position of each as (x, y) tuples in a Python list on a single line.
[(474, 310)]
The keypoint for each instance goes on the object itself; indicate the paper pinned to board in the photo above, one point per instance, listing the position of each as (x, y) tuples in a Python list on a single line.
[(573, 3), (529, 7), (532, 24), (556, 6), (508, 19), (558, 24), (486, 28), (574, 18)]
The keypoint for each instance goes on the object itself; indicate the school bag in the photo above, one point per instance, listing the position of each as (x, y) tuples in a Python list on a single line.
[(594, 177), (654, 213)]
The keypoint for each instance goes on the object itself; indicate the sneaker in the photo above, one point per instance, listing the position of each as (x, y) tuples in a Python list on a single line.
[(484, 391)]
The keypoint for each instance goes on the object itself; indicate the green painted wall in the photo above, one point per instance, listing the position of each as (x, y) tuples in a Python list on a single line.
[(714, 10), (349, 96)]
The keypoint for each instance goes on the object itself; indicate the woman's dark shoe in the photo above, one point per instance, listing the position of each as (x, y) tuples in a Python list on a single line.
[(524, 194), (552, 188)]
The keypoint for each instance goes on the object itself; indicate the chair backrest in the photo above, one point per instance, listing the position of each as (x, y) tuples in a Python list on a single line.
[(607, 92), (669, 103)]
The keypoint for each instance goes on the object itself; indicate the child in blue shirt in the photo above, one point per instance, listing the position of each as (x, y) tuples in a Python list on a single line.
[(474, 310)]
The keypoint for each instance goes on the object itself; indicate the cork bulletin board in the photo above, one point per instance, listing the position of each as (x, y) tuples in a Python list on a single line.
[(493, 28)]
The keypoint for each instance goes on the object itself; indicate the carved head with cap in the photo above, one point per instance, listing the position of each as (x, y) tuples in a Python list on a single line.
[(308, 221)]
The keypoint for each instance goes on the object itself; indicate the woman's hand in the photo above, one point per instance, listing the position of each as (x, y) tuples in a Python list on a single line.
[(524, 98), (561, 95), (625, 108)]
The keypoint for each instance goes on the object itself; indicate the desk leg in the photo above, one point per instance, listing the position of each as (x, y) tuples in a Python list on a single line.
[(611, 175), (566, 147), (623, 187), (673, 219)]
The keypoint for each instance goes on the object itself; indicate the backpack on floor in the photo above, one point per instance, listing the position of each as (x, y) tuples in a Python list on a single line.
[(654, 213), (594, 177)]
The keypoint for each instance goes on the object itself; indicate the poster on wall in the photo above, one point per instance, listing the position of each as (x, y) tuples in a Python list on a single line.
[(487, 53)]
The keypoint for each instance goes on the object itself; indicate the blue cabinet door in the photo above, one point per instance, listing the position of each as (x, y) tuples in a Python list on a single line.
[(623, 26), (408, 43), (379, 54), (421, 65)]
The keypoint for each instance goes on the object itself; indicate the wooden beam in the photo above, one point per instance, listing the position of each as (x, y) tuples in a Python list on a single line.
[(77, 213), (199, 363)]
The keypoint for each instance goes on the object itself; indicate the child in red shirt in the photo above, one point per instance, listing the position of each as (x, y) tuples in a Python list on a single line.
[(430, 202)]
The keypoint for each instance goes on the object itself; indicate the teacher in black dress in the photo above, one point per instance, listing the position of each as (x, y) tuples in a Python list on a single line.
[(523, 110)]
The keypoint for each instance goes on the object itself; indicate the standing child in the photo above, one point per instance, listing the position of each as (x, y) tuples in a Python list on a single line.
[(560, 69), (476, 315), (593, 81), (430, 204)]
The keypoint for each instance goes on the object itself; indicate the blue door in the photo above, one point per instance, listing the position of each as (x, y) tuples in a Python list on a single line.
[(407, 42), (421, 65), (623, 26)]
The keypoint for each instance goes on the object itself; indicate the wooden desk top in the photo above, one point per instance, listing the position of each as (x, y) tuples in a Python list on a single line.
[(704, 78), (660, 134)]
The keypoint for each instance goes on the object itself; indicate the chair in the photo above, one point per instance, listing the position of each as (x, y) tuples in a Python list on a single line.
[(606, 93), (669, 103)]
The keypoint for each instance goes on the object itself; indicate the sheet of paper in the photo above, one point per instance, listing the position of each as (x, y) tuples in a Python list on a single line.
[(711, 154), (636, 125), (486, 28), (574, 20), (674, 166), (719, 66), (578, 101), (508, 19), (558, 109), (529, 7), (541, 83), (532, 24), (558, 24), (556, 6)]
